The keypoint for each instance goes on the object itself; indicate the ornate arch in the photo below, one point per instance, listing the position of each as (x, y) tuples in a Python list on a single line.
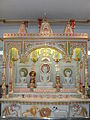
[(44, 46)]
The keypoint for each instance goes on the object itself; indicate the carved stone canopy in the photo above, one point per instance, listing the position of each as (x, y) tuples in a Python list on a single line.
[(45, 28), (68, 29), (22, 28)]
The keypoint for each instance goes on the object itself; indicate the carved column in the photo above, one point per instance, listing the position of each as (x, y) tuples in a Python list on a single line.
[(81, 76), (13, 73), (10, 76), (57, 75), (86, 75), (77, 70), (4, 78), (83, 71)]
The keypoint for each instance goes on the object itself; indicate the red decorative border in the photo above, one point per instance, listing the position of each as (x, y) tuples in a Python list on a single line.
[(77, 35)]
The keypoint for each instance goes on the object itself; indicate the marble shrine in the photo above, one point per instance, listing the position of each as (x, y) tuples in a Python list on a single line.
[(46, 72)]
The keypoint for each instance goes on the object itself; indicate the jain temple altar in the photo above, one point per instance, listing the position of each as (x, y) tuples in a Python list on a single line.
[(46, 72)]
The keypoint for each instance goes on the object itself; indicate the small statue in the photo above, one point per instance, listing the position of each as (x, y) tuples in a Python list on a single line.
[(57, 81), (10, 86), (32, 79)]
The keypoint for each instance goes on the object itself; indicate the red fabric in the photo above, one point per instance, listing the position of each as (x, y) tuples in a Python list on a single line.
[(26, 23), (39, 22), (73, 23)]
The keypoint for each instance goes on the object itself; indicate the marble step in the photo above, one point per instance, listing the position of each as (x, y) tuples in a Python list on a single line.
[(21, 90), (41, 90), (21, 85), (45, 95)]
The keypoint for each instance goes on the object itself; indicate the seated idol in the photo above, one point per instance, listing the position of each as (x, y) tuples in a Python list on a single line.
[(68, 78), (45, 73), (45, 77), (22, 77)]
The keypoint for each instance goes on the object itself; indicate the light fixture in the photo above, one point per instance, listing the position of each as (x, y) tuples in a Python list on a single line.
[(88, 52), (1, 52)]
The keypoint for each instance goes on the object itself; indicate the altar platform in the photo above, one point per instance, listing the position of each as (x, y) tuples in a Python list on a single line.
[(55, 107)]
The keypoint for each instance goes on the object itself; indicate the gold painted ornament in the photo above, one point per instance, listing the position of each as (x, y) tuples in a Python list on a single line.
[(45, 112), (33, 111), (6, 111)]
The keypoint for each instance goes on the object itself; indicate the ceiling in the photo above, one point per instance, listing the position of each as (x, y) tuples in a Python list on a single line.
[(33, 9)]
